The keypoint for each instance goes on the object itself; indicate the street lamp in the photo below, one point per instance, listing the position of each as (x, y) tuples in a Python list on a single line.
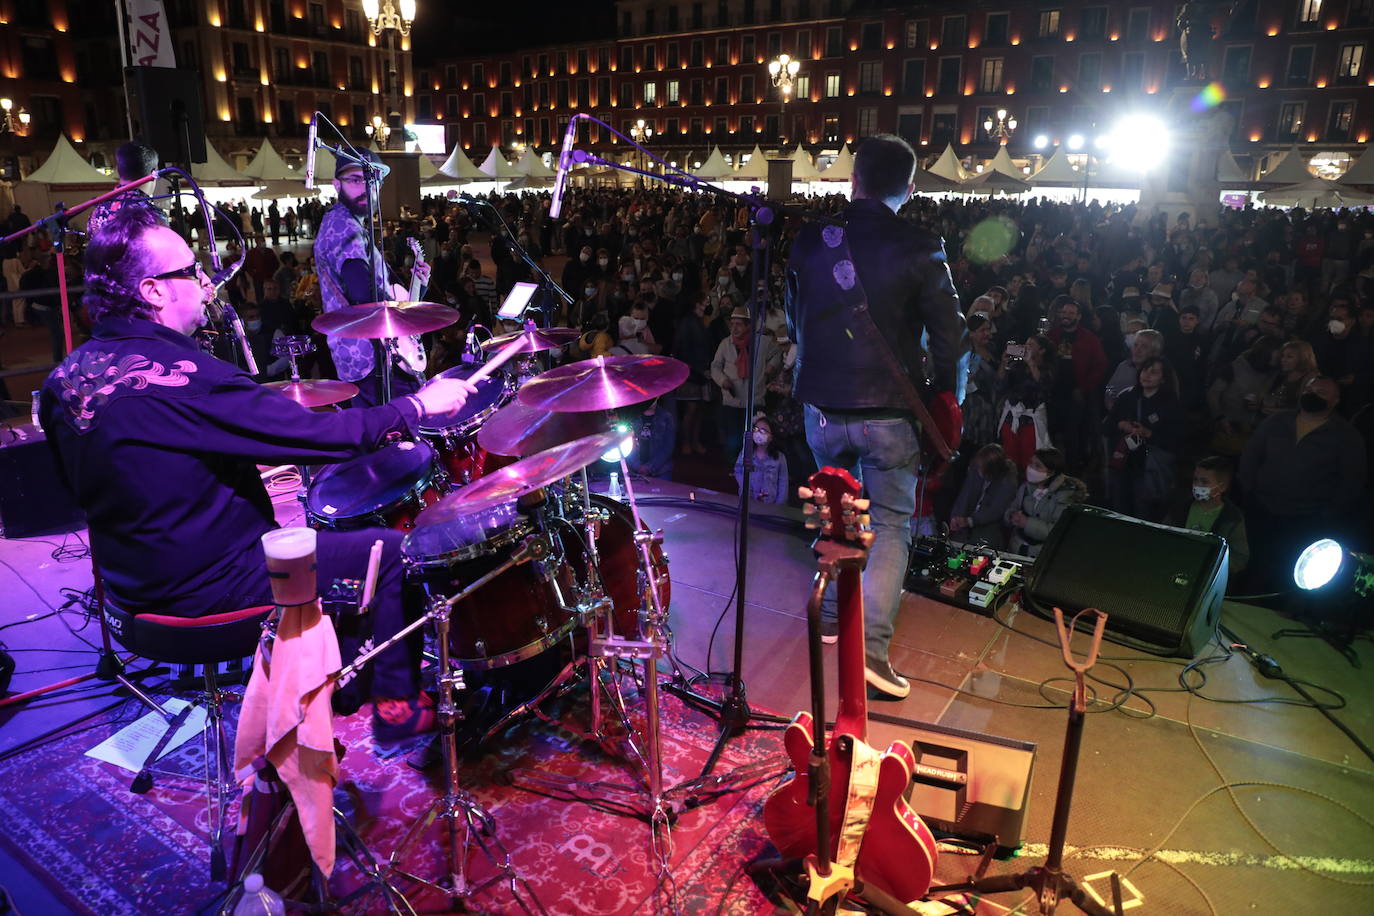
[(390, 16), (641, 133), (14, 123), (379, 129), (782, 70), (1000, 126)]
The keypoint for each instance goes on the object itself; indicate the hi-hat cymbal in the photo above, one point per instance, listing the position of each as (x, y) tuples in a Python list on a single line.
[(381, 320), (315, 392), (535, 340), (519, 430), (515, 480), (603, 383)]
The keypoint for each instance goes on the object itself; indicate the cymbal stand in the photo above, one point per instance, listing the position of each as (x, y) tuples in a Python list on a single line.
[(467, 822), (294, 346)]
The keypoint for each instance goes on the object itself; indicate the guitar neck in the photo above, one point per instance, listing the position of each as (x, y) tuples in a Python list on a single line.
[(415, 283), (852, 717)]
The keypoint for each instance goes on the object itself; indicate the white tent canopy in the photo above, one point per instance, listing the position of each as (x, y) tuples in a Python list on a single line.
[(1056, 170), (1291, 169), (530, 164), (65, 165), (1228, 170), (268, 165), (842, 169), (1361, 171), (756, 169), (1002, 163), (803, 169), (714, 167), (1316, 192), (427, 167), (496, 166), (215, 171), (948, 166), (459, 166)]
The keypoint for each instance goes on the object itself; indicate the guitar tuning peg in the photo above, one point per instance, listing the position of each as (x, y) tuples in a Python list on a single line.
[(866, 539), (805, 492), (847, 499), (862, 504), (865, 521)]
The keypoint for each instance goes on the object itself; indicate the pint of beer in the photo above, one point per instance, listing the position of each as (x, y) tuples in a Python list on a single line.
[(290, 556)]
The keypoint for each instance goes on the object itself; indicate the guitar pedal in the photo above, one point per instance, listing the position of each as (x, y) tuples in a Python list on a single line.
[(984, 594), (954, 587), (1002, 571)]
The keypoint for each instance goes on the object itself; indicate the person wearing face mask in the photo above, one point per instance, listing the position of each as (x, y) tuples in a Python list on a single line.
[(1209, 510), (723, 287), (578, 270), (730, 369), (1300, 477), (1145, 428), (1201, 296), (1335, 344), (768, 479), (1040, 500), (983, 500)]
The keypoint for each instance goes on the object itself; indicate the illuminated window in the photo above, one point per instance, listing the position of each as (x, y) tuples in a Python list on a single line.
[(651, 93), (832, 85), (868, 122), (1290, 119), (1309, 11), (673, 89), (917, 33), (1350, 62), (1338, 121), (830, 128), (1049, 23), (801, 88), (990, 80), (870, 77)]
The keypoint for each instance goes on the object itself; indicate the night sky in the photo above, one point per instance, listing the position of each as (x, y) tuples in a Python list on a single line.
[(447, 28)]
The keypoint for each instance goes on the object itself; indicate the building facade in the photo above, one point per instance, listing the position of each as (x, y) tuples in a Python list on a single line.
[(1284, 71)]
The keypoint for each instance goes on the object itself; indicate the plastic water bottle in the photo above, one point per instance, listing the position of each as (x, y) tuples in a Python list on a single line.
[(614, 491), (258, 900)]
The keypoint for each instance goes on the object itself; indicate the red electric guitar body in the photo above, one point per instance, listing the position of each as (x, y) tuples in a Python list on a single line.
[(895, 850)]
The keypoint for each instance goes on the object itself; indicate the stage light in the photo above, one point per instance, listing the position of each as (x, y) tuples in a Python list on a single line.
[(1041, 141), (1139, 143), (625, 446), (1325, 564), (1075, 141)]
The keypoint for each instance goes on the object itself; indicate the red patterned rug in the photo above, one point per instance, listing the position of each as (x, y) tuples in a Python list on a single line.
[(106, 851)]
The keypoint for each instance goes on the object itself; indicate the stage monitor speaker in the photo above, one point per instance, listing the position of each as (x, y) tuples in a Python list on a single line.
[(1161, 587), (167, 111), (34, 499), (968, 785), (402, 186)]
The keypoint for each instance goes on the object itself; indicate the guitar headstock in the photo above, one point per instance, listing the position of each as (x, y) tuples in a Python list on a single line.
[(833, 507), (414, 244)]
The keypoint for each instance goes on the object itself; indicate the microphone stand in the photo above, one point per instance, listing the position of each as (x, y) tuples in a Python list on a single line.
[(545, 281)]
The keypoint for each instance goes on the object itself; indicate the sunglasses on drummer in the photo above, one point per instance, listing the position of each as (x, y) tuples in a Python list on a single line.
[(192, 271)]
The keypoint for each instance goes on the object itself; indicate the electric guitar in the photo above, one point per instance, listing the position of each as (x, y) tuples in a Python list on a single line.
[(874, 836), (410, 349)]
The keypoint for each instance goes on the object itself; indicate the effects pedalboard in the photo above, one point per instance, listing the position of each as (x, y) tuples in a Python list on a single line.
[(975, 578)]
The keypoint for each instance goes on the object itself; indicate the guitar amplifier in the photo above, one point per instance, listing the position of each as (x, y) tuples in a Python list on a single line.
[(33, 497), (968, 785)]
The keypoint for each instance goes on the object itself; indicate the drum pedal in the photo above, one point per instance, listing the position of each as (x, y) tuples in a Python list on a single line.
[(616, 647)]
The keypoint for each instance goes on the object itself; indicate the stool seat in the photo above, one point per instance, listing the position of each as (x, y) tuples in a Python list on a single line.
[(206, 640)]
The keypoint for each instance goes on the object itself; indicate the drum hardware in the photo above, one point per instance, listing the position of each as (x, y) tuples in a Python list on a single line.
[(468, 823)]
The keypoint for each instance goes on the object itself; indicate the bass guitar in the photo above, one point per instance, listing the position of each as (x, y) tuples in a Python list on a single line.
[(844, 810)]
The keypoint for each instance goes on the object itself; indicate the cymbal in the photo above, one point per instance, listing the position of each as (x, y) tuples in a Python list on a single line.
[(519, 430), (603, 383), (315, 392), (534, 341), (392, 318), (515, 480)]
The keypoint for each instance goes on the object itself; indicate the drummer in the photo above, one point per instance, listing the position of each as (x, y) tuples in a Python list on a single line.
[(161, 444), (345, 258)]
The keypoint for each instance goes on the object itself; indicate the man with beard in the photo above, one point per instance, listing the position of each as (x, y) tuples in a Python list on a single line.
[(353, 272)]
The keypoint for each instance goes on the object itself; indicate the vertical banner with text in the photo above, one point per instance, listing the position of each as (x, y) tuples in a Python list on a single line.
[(150, 37)]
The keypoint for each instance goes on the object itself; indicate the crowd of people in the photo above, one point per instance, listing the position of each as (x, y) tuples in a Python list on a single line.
[(1213, 367)]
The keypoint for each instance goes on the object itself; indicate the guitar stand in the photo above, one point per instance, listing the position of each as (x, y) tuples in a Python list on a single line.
[(1050, 882)]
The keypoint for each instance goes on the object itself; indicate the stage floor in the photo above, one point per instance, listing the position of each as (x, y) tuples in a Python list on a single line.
[(1282, 839)]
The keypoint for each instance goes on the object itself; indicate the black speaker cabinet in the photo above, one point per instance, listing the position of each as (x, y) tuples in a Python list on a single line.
[(402, 186), (33, 498), (167, 111), (1161, 587)]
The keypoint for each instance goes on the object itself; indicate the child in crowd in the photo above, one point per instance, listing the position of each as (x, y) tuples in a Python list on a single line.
[(768, 479), (1211, 511)]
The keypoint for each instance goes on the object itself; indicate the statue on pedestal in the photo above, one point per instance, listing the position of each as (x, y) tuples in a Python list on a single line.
[(1195, 23)]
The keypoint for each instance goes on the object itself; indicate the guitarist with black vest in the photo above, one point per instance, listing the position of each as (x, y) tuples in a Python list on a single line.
[(860, 296)]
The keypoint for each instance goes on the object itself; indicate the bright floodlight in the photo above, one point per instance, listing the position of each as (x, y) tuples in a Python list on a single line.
[(623, 449), (1139, 143), (1075, 141), (1318, 564), (1041, 141)]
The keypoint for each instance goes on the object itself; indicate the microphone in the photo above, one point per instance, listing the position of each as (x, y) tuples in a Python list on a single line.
[(310, 150), (470, 348), (560, 183), (224, 275)]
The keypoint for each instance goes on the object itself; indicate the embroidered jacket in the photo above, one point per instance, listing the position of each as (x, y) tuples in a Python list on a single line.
[(160, 444)]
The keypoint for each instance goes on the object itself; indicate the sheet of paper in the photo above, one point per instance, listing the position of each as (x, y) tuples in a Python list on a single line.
[(129, 746)]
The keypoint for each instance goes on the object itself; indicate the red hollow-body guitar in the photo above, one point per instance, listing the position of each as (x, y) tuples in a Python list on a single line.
[(872, 830)]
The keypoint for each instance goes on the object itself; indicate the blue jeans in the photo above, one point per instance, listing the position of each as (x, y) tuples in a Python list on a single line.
[(883, 456)]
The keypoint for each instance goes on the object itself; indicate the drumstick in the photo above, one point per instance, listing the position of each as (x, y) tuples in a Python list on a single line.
[(374, 562), (491, 365)]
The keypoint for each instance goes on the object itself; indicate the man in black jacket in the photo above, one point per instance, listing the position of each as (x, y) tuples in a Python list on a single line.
[(856, 415)]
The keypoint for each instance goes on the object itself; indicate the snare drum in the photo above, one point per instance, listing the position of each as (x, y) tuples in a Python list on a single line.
[(517, 615), (454, 434), (387, 488)]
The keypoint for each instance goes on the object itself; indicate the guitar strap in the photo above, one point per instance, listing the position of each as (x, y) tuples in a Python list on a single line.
[(864, 764), (840, 260)]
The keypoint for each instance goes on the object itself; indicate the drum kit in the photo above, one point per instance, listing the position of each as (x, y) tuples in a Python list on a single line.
[(514, 553)]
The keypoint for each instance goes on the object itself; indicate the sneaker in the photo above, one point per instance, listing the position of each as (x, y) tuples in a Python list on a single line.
[(881, 677), (830, 632), (396, 719)]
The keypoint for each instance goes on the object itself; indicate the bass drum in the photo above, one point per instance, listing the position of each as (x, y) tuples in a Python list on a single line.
[(387, 488), (615, 545)]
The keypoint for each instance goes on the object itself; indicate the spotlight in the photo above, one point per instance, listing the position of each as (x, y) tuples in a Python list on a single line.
[(1325, 564), (623, 448), (1041, 141), (1139, 142), (1075, 141)]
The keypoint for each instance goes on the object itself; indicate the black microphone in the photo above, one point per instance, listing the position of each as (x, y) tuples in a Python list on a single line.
[(310, 151), (560, 183)]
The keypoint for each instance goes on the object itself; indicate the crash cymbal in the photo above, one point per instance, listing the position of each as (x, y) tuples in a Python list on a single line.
[(535, 340), (315, 392), (380, 320), (603, 383), (515, 480), (519, 430)]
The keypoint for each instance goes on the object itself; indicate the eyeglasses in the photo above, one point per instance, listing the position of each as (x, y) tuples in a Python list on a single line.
[(192, 271), (352, 179)]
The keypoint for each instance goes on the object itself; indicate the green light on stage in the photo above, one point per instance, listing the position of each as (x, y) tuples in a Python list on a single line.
[(991, 240)]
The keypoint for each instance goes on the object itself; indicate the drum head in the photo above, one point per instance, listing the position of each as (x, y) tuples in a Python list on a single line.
[(491, 393), (461, 538), (370, 483)]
